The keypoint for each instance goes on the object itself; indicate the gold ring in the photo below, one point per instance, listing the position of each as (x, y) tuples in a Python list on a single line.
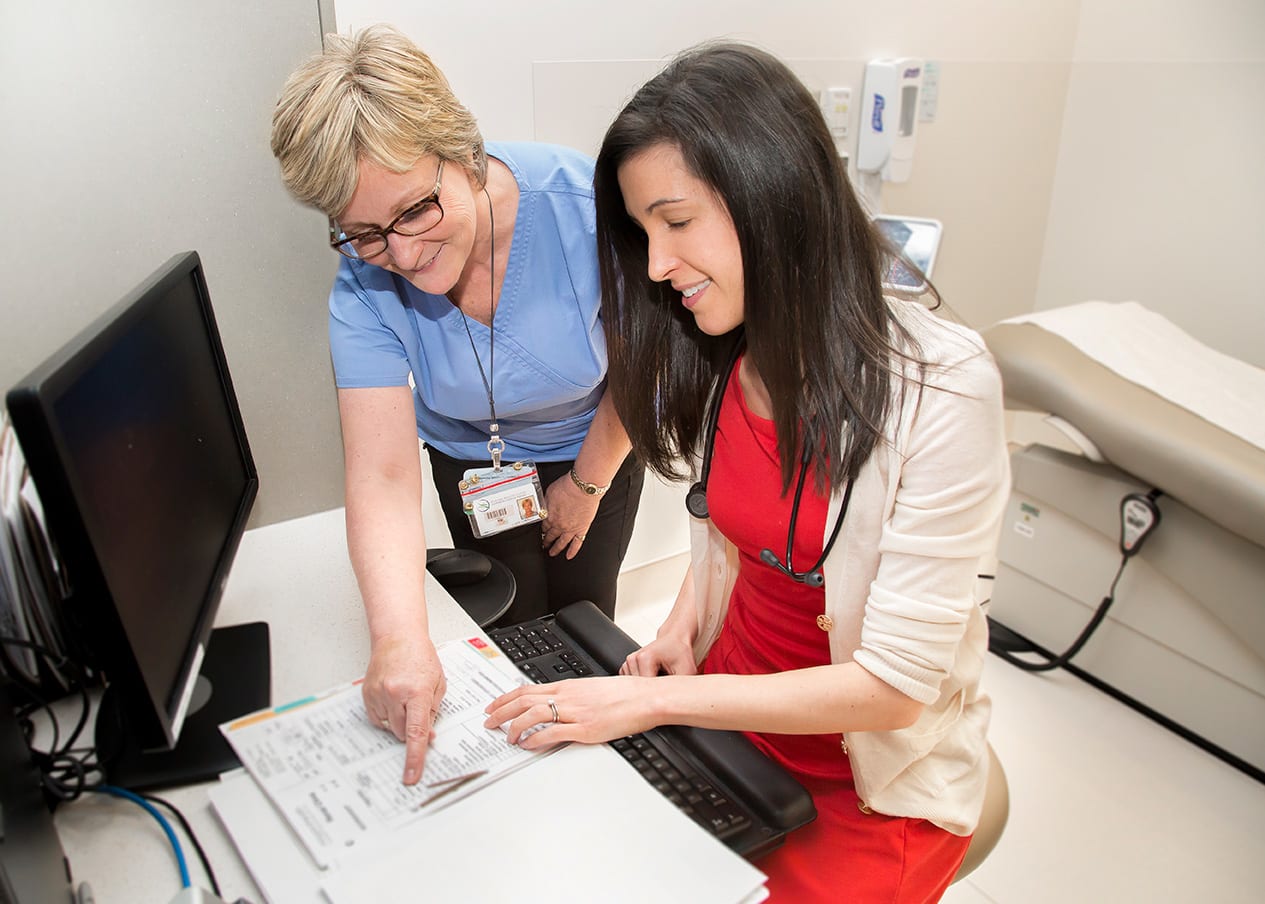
[(553, 707), (386, 723), (580, 537)]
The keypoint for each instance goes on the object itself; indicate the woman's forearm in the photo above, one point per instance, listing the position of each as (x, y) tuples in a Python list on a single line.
[(605, 446), (824, 699)]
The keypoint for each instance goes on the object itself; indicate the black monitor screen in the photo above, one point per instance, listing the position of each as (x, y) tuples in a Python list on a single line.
[(136, 446), (152, 445)]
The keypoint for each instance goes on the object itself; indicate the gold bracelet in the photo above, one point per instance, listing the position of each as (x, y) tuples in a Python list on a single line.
[(591, 489)]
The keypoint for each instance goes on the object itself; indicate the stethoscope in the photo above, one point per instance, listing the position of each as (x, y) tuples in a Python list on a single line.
[(696, 498)]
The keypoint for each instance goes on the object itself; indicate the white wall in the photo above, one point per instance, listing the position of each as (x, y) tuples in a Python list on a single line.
[(1160, 179)]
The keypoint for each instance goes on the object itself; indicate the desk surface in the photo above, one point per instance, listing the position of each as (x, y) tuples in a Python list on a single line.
[(297, 577)]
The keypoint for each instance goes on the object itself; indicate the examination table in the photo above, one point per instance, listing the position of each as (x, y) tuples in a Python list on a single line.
[(1146, 407)]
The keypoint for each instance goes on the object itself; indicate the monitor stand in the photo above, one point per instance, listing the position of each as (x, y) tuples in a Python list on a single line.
[(235, 680)]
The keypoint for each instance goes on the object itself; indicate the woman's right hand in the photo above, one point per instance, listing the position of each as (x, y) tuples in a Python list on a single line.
[(671, 654), (403, 688)]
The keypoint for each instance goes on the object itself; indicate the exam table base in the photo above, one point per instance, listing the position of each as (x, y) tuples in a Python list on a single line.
[(1185, 638)]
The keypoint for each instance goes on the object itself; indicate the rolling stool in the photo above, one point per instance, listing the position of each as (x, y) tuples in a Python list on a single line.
[(483, 586), (992, 819)]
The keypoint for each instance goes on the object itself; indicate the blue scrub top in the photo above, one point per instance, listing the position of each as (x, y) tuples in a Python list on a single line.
[(550, 348)]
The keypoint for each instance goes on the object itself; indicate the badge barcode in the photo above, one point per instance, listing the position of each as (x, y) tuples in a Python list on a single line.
[(498, 513)]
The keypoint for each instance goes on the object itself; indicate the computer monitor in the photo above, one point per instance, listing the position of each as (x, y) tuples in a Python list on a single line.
[(916, 240), (136, 446)]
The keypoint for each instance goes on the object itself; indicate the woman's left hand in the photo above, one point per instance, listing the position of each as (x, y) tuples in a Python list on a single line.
[(570, 512), (589, 710)]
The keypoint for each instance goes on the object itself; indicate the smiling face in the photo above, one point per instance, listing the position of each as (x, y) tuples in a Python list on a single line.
[(433, 261), (690, 239)]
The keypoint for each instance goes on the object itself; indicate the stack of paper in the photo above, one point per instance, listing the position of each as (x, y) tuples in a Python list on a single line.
[(320, 814), (30, 579)]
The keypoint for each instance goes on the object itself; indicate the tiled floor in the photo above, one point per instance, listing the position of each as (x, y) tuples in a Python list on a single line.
[(1106, 806)]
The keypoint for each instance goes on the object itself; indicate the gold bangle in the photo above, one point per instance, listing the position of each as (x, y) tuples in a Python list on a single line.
[(591, 489)]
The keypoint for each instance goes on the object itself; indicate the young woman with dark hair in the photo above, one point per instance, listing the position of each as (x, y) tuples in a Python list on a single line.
[(851, 475)]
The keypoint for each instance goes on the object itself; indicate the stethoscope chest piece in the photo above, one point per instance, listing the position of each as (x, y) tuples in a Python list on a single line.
[(696, 500)]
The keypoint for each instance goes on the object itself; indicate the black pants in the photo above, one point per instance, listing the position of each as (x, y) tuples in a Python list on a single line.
[(547, 583)]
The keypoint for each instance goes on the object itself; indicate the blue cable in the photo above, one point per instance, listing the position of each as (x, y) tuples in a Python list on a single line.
[(162, 821)]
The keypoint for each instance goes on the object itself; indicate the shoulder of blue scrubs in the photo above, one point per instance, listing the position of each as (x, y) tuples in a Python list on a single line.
[(539, 166), (366, 321), (559, 177)]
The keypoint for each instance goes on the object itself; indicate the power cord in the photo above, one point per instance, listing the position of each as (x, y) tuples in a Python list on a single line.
[(67, 772), (193, 839), (1139, 516), (162, 821)]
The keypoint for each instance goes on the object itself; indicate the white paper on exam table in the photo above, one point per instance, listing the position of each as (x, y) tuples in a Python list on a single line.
[(335, 776), (580, 825)]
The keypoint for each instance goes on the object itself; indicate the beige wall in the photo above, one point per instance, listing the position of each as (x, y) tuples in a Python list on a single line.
[(1159, 185), (139, 129)]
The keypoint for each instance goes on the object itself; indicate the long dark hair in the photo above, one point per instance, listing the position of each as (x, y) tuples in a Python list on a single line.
[(818, 329)]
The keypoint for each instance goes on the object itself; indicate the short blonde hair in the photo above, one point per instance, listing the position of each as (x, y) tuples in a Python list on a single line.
[(373, 96)]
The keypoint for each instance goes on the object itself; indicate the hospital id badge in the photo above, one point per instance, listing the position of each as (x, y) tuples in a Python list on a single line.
[(498, 499)]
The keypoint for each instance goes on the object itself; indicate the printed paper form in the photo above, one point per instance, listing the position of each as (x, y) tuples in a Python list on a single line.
[(335, 776)]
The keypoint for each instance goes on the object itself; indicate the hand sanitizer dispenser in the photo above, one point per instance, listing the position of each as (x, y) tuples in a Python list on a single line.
[(889, 118)]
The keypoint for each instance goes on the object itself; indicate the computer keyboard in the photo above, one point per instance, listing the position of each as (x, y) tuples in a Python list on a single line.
[(719, 779), (543, 656), (685, 786), (539, 653)]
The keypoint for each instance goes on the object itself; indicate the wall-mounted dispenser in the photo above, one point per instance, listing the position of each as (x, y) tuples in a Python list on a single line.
[(889, 118)]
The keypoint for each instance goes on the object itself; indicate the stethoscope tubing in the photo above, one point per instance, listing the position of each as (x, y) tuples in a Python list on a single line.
[(696, 497)]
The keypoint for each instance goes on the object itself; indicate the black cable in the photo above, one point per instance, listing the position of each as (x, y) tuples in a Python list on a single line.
[(1062, 659), (1139, 516), (197, 846), (66, 772)]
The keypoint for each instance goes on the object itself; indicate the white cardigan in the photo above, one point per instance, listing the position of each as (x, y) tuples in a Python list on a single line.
[(901, 579)]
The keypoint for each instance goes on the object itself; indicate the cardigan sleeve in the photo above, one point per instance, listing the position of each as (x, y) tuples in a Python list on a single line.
[(951, 476)]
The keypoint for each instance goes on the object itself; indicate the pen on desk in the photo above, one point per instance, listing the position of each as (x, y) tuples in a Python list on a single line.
[(453, 786)]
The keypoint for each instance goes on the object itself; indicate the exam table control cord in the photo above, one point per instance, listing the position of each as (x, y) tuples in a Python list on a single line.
[(1139, 516)]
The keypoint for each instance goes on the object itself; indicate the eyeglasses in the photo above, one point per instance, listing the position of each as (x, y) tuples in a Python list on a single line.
[(422, 217)]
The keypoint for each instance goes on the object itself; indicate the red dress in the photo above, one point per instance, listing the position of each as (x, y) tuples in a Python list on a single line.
[(771, 626)]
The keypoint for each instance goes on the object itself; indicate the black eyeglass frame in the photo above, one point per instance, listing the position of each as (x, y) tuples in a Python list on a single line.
[(345, 246)]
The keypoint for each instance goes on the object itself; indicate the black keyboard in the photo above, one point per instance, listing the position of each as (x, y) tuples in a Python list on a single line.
[(718, 778), (693, 792), (539, 653)]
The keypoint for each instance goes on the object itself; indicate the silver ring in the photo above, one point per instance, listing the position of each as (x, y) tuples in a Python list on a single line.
[(386, 723), (553, 707)]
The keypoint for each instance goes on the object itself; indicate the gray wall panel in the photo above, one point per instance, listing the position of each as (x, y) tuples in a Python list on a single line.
[(134, 130)]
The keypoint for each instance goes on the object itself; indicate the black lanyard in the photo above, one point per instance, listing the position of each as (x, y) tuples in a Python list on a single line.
[(496, 445)]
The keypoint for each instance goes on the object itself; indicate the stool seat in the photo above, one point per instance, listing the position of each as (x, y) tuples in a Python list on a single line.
[(992, 819)]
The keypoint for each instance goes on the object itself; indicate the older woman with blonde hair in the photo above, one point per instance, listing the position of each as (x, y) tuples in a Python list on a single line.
[(466, 312)]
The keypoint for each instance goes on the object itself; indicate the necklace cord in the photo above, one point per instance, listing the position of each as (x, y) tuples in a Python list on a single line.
[(496, 445)]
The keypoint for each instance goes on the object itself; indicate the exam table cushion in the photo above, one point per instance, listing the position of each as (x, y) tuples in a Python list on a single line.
[(1209, 469)]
